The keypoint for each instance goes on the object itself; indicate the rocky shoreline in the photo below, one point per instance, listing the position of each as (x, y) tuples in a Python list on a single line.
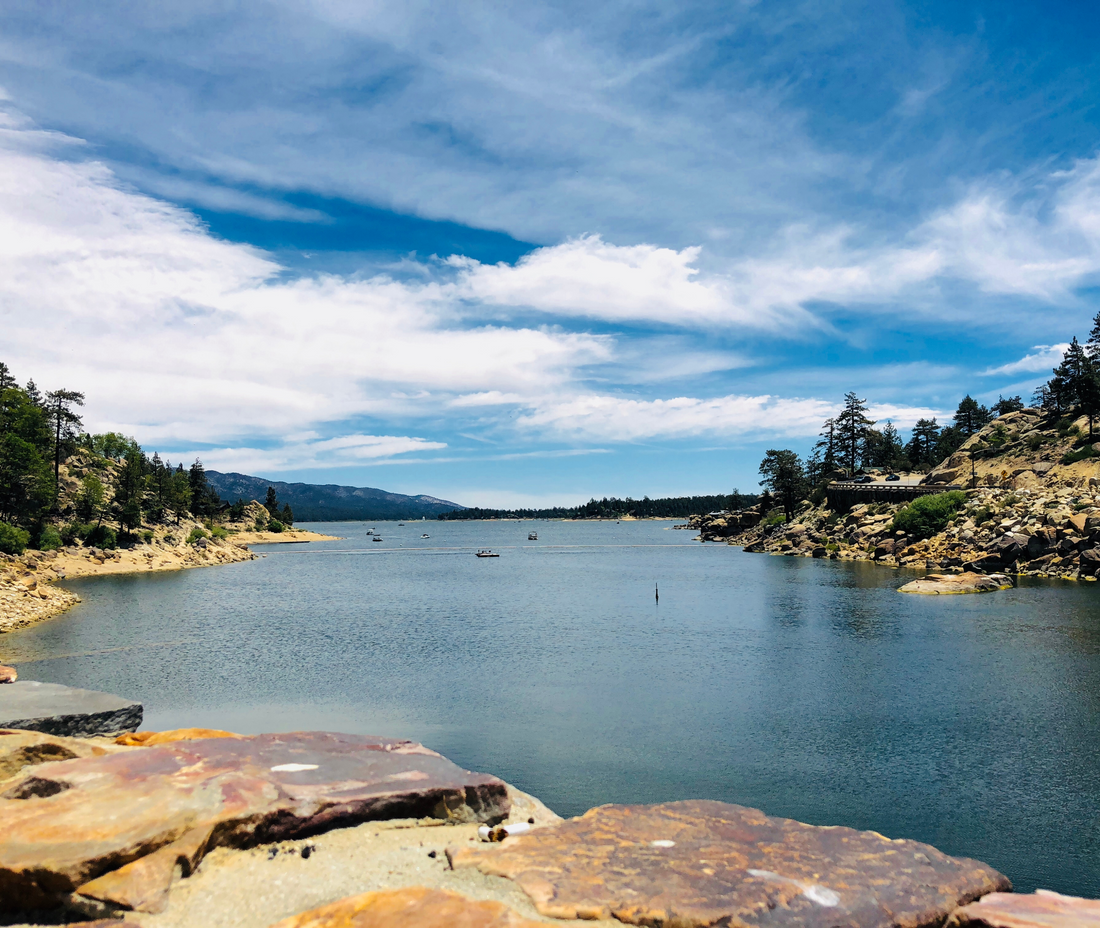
[(28, 582), (1033, 513)]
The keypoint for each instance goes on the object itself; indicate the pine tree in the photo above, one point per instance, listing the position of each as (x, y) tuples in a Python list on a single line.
[(782, 473), (970, 417), (287, 515), (826, 445), (1007, 404), (1092, 346), (7, 382), (890, 447), (272, 503), (59, 408), (851, 427), (130, 491), (922, 446), (196, 479)]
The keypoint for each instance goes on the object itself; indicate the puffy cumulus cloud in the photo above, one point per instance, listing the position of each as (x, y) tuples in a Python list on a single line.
[(591, 278), (184, 337)]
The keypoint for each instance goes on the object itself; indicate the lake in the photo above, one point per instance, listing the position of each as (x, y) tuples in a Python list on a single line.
[(810, 689)]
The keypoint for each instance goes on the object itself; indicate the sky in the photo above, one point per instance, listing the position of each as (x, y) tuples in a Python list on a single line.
[(527, 254)]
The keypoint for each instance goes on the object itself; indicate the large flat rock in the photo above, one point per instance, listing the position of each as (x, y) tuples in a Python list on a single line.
[(115, 828), (1041, 909), (966, 582), (65, 710), (702, 863), (414, 907)]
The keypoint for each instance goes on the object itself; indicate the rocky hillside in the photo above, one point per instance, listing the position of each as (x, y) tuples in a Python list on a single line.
[(1035, 509)]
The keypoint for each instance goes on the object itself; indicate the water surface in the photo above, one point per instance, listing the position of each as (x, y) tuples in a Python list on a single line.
[(810, 689)]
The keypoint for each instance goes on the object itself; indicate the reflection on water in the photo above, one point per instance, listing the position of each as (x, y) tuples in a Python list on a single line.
[(807, 688)]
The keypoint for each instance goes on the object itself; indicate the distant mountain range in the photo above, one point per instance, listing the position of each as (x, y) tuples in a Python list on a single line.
[(328, 502)]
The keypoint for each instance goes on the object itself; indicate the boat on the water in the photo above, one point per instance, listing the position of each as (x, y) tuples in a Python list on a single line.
[(377, 538), (532, 536), (425, 535), (485, 552), (370, 531)]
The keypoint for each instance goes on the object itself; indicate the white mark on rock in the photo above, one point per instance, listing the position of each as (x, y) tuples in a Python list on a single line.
[(821, 896), (663, 842), (813, 892), (292, 768)]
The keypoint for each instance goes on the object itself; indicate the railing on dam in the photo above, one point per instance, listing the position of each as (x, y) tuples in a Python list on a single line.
[(844, 494)]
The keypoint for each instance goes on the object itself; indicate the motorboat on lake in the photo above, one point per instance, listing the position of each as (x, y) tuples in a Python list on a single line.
[(425, 535), (377, 538), (485, 552), (532, 536)]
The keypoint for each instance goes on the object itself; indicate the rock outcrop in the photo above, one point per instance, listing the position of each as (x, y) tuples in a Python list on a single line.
[(966, 582), (1041, 909), (702, 863), (1030, 513)]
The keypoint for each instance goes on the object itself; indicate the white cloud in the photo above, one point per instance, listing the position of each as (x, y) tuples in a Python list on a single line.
[(347, 450), (1041, 358)]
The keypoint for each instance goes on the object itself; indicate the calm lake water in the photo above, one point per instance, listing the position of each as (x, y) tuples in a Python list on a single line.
[(809, 689)]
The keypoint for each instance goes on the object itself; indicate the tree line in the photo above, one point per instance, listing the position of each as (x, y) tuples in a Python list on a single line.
[(679, 507), (1076, 381), (41, 431), (849, 443)]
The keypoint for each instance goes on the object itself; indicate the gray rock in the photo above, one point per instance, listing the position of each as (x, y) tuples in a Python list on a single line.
[(64, 710)]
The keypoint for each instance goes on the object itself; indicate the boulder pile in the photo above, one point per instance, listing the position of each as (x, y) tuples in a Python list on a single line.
[(1035, 510)]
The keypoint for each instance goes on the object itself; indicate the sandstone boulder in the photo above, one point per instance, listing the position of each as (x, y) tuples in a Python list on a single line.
[(966, 582), (1090, 562), (8, 674), (1041, 909), (703, 863), (115, 828), (413, 907)]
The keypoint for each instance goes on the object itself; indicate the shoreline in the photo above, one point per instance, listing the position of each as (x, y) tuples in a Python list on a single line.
[(29, 593)]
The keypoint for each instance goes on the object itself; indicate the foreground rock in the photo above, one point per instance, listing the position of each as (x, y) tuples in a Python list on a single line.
[(966, 582), (415, 907), (701, 863), (8, 674), (114, 829), (65, 710), (1041, 909)]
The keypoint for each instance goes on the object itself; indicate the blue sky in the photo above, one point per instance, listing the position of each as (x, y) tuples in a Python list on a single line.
[(526, 254)]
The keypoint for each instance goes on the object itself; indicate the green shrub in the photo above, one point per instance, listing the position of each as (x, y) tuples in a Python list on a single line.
[(981, 514), (218, 532), (260, 524), (101, 536), (275, 525), (1034, 441), (73, 532), (1079, 455), (127, 539), (927, 515), (147, 536), (50, 539), (169, 539), (196, 534), (775, 517), (13, 540)]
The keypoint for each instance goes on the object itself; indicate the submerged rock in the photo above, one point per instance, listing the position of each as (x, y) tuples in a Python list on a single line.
[(702, 863), (967, 582)]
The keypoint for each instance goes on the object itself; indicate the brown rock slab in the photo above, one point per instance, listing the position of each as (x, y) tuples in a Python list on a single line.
[(8, 674), (22, 749), (69, 824), (1041, 909), (151, 738), (966, 582), (414, 907), (702, 863)]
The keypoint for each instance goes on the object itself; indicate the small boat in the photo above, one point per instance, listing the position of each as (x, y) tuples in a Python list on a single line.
[(370, 531), (532, 536), (485, 552), (401, 524), (425, 535), (377, 538)]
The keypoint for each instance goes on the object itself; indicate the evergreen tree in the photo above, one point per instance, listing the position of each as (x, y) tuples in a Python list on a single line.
[(970, 417), (287, 515), (180, 493), (25, 484), (32, 393), (827, 447), (922, 446), (89, 504), (66, 423), (1007, 404), (851, 427), (7, 382), (272, 503), (890, 446), (130, 492), (782, 473), (1092, 346)]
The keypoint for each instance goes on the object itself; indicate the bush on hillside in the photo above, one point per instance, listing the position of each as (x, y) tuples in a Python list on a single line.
[(927, 515), (50, 539), (275, 526), (218, 532), (196, 534), (1080, 454), (101, 536), (13, 540)]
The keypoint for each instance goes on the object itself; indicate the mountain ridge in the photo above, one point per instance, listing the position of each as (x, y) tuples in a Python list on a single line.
[(330, 502)]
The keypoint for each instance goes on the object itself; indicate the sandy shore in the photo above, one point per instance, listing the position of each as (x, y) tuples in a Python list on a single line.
[(28, 590)]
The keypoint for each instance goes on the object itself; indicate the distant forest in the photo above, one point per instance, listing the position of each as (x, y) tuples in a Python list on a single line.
[(676, 507)]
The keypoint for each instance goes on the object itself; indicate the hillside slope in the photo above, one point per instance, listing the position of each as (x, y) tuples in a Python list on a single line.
[(1035, 509), (329, 502)]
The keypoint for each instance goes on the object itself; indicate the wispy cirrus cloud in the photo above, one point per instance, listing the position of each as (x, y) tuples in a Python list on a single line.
[(1041, 358)]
